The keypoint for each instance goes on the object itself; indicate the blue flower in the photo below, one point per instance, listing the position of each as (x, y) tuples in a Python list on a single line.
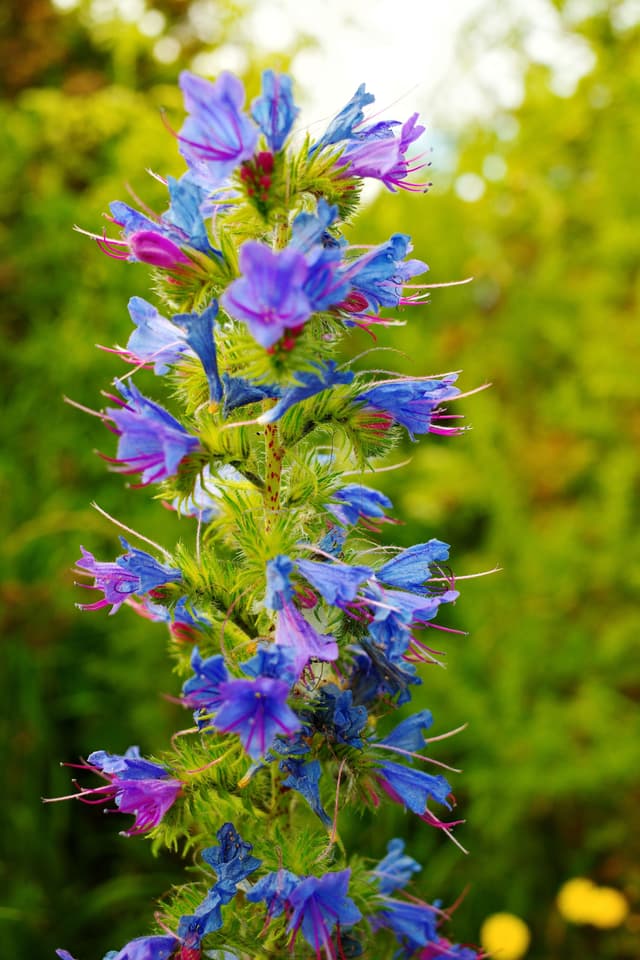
[(257, 711), (272, 660), (384, 271), (411, 568), (135, 572), (275, 111), (142, 948), (412, 403), (407, 735), (412, 787), (414, 924), (443, 949), (274, 889), (342, 126), (318, 903), (206, 918), (279, 589), (333, 541), (202, 691), (310, 229), (198, 329), (308, 384), (155, 340), (238, 392), (151, 441), (185, 213), (378, 670), (334, 715), (231, 860), (338, 583), (356, 501), (216, 136), (129, 766), (304, 776), (269, 295), (396, 869)]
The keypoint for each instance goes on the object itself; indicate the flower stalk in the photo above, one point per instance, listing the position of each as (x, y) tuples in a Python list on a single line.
[(294, 642)]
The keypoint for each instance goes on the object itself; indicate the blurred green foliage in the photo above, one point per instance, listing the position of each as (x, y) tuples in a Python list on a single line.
[(546, 485)]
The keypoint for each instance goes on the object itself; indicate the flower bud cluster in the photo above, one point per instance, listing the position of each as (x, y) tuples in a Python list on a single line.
[(292, 636)]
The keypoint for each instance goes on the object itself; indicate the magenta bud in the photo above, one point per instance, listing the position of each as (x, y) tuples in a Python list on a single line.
[(151, 247)]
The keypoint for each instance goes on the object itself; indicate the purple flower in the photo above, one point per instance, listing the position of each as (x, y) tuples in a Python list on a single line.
[(385, 158), (135, 572), (318, 903), (308, 384), (136, 786), (142, 948), (396, 869), (151, 441), (411, 568), (338, 583), (198, 329), (355, 501), (275, 111), (155, 340), (257, 711), (413, 403), (294, 632), (269, 295), (150, 246), (216, 136)]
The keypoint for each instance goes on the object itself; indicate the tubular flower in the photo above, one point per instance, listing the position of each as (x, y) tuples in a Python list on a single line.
[(308, 384), (151, 441), (142, 948), (269, 295), (257, 711), (414, 404), (137, 786), (318, 904), (414, 924), (396, 869), (135, 572), (216, 136), (198, 331), (337, 583), (155, 340), (411, 568), (384, 271), (275, 111), (356, 502), (295, 633)]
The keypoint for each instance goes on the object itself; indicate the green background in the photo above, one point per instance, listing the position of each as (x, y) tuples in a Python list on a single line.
[(546, 484)]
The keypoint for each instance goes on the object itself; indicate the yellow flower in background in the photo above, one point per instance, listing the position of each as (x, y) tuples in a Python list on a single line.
[(581, 901), (505, 936), (575, 898)]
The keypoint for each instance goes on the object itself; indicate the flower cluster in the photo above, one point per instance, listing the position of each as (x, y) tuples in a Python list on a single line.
[(291, 639)]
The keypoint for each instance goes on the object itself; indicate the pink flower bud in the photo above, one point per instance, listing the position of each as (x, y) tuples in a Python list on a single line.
[(151, 247)]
